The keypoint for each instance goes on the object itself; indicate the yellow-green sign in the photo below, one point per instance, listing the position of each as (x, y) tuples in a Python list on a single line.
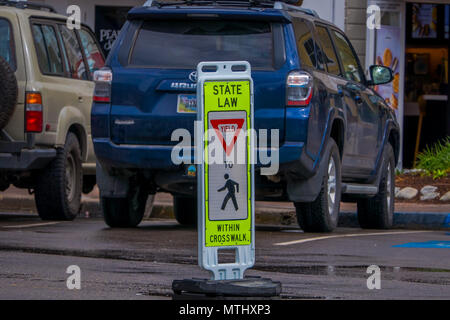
[(228, 206)]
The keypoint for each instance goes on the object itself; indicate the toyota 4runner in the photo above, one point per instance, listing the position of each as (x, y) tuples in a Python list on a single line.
[(338, 138)]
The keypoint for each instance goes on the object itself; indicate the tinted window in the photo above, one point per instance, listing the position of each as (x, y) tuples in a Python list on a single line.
[(305, 44), (183, 44), (349, 61), (7, 43), (91, 51), (76, 66), (47, 49), (328, 54)]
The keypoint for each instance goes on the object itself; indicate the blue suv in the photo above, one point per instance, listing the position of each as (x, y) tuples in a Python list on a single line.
[(339, 140)]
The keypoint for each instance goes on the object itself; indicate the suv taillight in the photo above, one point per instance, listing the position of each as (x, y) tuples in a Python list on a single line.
[(33, 112), (102, 79), (299, 89)]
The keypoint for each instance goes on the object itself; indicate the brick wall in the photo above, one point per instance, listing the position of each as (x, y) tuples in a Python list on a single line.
[(355, 26)]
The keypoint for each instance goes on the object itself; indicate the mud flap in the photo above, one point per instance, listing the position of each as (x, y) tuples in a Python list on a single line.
[(308, 190), (112, 186)]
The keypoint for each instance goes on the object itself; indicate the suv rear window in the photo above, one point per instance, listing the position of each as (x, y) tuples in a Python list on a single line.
[(77, 69), (305, 43), (91, 51), (328, 54), (47, 49), (183, 44), (7, 43)]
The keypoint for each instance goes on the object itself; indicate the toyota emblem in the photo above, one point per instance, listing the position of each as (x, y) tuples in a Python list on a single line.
[(193, 76)]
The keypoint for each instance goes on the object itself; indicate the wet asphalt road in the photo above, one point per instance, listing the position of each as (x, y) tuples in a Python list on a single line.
[(142, 263)]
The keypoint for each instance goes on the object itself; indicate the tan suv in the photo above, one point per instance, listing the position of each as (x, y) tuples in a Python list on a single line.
[(46, 94)]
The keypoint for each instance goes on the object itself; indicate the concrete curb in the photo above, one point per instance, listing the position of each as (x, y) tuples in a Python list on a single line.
[(264, 215)]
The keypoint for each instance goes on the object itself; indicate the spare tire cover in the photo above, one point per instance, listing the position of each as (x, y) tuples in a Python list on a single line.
[(8, 92)]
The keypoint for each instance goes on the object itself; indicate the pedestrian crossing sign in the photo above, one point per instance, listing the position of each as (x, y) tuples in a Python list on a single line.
[(226, 172), (227, 163)]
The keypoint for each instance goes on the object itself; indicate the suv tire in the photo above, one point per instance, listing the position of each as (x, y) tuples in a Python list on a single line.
[(322, 214), (58, 189), (125, 212), (8, 92), (378, 212), (185, 210)]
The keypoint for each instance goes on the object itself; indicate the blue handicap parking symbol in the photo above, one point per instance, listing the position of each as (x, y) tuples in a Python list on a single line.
[(426, 245), (447, 221)]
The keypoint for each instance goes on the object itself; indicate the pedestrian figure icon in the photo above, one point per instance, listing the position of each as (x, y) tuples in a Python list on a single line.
[(233, 188)]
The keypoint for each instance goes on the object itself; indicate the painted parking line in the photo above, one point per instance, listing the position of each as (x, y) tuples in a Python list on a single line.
[(426, 245), (31, 225), (290, 243)]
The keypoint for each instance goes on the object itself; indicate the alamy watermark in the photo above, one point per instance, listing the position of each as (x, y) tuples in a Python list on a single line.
[(227, 146), (374, 17), (74, 280), (74, 17), (374, 281)]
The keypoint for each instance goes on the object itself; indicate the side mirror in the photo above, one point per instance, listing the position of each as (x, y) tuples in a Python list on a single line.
[(380, 75)]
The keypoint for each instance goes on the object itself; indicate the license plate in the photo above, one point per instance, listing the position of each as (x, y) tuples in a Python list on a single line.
[(187, 103)]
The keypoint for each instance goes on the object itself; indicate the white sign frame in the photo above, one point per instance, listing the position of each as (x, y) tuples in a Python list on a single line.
[(208, 257)]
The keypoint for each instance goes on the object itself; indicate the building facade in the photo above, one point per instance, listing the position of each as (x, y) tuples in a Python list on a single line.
[(331, 10), (413, 39), (355, 26), (112, 13)]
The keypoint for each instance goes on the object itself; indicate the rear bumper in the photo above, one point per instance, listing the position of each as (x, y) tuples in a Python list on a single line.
[(292, 159), (26, 159)]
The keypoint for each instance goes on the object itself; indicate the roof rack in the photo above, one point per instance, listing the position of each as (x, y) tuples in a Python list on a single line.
[(27, 5), (287, 5), (284, 5), (232, 3)]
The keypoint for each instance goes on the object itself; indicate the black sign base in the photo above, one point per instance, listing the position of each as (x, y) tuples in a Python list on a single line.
[(247, 289)]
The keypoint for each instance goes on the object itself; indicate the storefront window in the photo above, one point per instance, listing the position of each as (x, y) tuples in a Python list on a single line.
[(108, 22), (424, 21), (447, 21), (426, 78)]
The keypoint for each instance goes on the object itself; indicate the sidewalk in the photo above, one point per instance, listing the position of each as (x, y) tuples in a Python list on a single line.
[(408, 215)]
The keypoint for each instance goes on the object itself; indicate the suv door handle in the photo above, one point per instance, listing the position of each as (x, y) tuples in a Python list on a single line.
[(80, 99)]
